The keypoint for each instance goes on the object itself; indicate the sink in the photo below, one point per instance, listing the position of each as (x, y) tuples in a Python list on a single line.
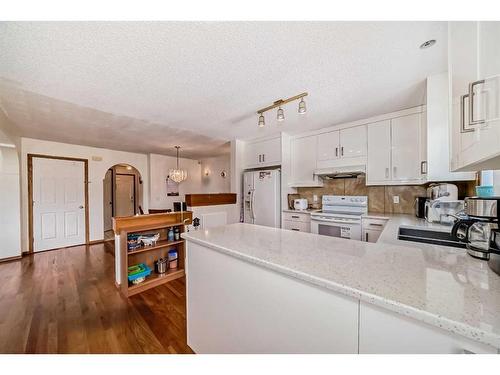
[(429, 236)]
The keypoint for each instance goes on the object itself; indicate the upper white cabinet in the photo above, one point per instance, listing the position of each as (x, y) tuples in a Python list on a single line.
[(474, 66), (340, 147), (353, 142), (328, 146), (439, 160), (263, 153), (303, 155), (378, 167), (406, 144), (396, 151)]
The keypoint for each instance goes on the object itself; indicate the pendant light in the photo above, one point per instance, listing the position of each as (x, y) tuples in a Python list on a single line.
[(302, 106), (281, 114), (177, 175)]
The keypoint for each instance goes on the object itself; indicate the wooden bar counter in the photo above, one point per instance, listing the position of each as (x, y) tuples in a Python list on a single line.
[(148, 224)]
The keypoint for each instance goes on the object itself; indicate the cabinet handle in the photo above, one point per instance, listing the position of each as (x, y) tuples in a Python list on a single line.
[(394, 172), (295, 217), (387, 172), (366, 236), (260, 156), (376, 225), (264, 158), (298, 230), (342, 151), (336, 151), (471, 103), (423, 167), (463, 128)]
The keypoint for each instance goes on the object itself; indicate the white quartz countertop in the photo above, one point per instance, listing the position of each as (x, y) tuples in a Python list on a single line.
[(439, 285)]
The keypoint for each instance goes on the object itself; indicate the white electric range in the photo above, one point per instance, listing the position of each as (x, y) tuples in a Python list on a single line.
[(340, 216)]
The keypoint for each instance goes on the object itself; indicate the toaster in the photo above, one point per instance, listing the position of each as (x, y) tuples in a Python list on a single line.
[(300, 204)]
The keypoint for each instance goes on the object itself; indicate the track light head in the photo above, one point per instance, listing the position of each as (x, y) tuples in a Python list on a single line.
[(281, 114), (262, 121), (302, 106)]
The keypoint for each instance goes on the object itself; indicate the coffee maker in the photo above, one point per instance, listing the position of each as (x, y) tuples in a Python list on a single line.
[(480, 230)]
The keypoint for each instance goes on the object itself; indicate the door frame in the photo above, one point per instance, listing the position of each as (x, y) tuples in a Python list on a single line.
[(30, 194), (114, 189)]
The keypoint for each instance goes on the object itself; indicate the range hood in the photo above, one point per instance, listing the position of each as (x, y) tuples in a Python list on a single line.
[(341, 172)]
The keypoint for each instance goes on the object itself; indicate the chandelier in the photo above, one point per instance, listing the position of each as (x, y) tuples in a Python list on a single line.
[(177, 174), (280, 116)]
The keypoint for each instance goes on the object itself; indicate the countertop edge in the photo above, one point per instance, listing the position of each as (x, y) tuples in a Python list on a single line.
[(438, 321)]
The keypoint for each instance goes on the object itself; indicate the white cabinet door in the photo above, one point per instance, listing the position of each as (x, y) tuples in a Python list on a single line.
[(384, 332), (370, 235), (353, 142), (271, 151), (406, 148), (303, 160), (379, 152), (252, 156), (328, 146), (462, 47)]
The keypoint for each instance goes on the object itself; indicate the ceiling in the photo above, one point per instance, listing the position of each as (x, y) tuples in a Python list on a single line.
[(147, 86)]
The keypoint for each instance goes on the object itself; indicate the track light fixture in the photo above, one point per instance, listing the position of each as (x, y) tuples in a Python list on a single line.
[(281, 114)]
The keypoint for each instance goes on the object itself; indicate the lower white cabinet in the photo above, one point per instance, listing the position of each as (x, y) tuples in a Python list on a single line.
[(384, 332), (372, 228), (234, 306), (297, 226)]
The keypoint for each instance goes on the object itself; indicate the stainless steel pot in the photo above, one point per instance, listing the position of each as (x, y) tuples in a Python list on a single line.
[(161, 265)]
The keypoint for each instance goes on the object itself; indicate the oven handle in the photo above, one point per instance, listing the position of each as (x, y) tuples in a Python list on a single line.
[(336, 221)]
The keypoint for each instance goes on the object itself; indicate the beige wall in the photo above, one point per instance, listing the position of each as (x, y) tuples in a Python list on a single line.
[(211, 179), (97, 171), (380, 198)]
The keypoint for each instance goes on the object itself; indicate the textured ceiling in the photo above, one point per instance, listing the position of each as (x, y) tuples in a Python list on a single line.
[(146, 86)]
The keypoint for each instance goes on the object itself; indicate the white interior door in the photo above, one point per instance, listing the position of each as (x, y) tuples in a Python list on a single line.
[(125, 195), (266, 199), (58, 203)]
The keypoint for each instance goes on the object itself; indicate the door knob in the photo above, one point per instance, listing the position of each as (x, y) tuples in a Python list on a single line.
[(81, 207)]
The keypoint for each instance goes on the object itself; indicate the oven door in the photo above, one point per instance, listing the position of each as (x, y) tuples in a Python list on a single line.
[(350, 229)]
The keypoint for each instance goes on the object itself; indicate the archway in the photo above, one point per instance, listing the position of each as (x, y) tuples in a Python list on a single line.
[(122, 195)]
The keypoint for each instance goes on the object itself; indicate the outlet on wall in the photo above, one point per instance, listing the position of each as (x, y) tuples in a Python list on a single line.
[(395, 199), (315, 198)]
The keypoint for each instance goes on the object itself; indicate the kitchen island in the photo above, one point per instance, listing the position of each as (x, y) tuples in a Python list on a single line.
[(254, 289)]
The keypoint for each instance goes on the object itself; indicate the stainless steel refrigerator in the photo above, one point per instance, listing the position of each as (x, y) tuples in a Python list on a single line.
[(262, 197)]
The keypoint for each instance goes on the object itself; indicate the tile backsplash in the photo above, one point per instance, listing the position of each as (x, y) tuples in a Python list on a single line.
[(380, 198)]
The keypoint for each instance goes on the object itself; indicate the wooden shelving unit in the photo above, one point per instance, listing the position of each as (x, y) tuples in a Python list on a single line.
[(146, 224)]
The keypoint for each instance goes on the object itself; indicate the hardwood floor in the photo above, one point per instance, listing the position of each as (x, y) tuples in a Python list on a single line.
[(65, 301)]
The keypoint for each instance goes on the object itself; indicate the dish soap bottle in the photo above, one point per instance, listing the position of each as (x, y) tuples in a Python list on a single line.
[(170, 235)]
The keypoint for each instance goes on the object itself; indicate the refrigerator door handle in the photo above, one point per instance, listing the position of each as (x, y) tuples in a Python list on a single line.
[(252, 195)]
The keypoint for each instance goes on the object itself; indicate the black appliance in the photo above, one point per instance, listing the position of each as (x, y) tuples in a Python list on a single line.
[(177, 206), (480, 229), (420, 207)]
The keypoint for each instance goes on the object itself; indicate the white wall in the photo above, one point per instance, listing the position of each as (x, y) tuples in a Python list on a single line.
[(211, 179), (97, 171), (159, 165), (10, 212)]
